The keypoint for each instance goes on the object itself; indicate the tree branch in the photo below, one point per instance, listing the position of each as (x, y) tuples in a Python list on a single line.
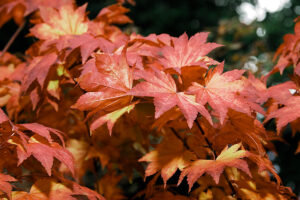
[(95, 160), (12, 39), (181, 139), (234, 192)]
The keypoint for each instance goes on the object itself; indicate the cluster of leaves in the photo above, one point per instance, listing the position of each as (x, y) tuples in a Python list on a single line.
[(120, 100)]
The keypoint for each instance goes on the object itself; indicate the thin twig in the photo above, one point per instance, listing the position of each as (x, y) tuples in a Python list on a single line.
[(183, 141), (206, 139), (95, 160), (12, 39), (234, 192), (230, 184)]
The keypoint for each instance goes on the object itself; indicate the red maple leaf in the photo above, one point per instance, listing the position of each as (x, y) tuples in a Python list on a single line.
[(38, 70), (288, 52), (221, 92), (290, 112), (184, 52), (108, 78), (162, 87), (88, 44), (37, 148), (5, 185)]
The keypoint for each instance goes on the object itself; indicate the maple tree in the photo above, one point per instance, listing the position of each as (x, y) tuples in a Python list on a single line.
[(87, 97)]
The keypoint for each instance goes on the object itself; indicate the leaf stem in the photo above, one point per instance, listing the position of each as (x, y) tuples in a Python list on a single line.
[(12, 39)]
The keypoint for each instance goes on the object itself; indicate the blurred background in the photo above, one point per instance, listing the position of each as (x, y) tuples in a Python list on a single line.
[(250, 30)]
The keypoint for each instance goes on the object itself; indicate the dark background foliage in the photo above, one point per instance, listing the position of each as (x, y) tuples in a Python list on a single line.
[(245, 46)]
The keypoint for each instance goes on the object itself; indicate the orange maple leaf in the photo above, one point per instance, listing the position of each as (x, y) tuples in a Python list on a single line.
[(229, 157), (62, 22), (49, 188), (168, 156)]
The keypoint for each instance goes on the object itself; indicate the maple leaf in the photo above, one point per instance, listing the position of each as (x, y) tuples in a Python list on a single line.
[(92, 100), (162, 87), (37, 148), (286, 114), (45, 189), (284, 94), (170, 115), (288, 52), (5, 185), (114, 14), (117, 74), (255, 89), (186, 52), (240, 127), (229, 157), (103, 23), (263, 164), (168, 156), (221, 92), (49, 188), (88, 44), (113, 76), (37, 144), (18, 9), (139, 47), (31, 5), (61, 22), (38, 70), (111, 71), (111, 118), (43, 131)]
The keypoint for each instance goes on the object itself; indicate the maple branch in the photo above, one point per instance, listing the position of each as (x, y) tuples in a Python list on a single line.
[(206, 139), (95, 160), (234, 192), (12, 39), (181, 139)]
